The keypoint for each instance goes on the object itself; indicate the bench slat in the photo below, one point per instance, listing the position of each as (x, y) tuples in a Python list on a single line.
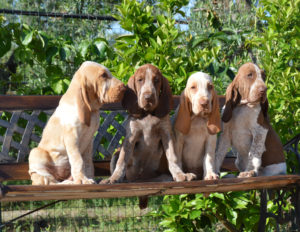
[(66, 192), (19, 171), (51, 102)]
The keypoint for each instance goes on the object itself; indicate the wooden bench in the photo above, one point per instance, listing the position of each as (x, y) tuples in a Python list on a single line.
[(22, 119)]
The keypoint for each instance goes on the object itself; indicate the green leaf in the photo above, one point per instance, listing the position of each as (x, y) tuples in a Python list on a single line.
[(41, 39), (161, 19), (57, 86), (50, 52), (195, 214), (159, 42), (62, 54), (83, 47), (54, 71), (28, 38), (127, 38), (5, 41), (101, 47), (199, 40)]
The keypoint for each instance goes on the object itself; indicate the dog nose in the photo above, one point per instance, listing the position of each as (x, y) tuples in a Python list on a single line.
[(204, 102), (262, 89), (148, 96)]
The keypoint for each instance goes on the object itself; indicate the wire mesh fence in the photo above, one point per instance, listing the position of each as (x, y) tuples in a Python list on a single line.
[(122, 214)]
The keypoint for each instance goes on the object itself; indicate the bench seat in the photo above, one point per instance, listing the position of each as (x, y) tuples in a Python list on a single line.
[(67, 192)]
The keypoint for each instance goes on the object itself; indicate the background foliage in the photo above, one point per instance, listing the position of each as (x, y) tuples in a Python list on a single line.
[(40, 56)]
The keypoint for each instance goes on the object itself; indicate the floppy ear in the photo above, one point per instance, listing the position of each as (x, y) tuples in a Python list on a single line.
[(165, 99), (214, 120), (83, 101), (232, 99), (264, 107), (131, 83), (263, 118), (130, 100), (183, 119)]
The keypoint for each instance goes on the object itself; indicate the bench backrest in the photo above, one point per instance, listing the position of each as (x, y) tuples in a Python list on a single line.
[(22, 119)]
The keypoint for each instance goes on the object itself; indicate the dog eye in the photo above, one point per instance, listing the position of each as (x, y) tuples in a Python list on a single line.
[(156, 80), (193, 87), (249, 75), (140, 79), (104, 75), (209, 86)]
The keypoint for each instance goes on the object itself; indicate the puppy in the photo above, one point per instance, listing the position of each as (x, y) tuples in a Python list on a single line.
[(149, 139), (197, 121), (65, 150), (246, 126)]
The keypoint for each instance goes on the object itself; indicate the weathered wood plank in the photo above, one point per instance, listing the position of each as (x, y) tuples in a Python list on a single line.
[(28, 102), (51, 102), (55, 192), (19, 171)]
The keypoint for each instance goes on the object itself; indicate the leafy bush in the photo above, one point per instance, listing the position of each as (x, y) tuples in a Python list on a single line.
[(152, 38), (217, 44)]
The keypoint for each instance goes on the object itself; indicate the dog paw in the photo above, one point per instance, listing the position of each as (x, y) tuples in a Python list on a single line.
[(88, 181), (185, 177), (67, 182), (211, 176), (190, 176), (107, 181), (247, 174), (84, 180)]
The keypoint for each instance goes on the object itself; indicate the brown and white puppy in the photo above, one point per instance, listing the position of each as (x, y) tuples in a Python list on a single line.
[(65, 150), (149, 138), (246, 126), (197, 122)]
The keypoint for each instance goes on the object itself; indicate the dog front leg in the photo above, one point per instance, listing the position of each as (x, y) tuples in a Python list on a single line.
[(223, 146), (75, 158), (88, 161), (257, 148), (120, 169), (174, 168), (179, 142), (209, 158)]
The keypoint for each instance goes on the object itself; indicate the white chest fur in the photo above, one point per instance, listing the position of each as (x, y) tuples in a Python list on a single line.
[(194, 143), (248, 137), (67, 114)]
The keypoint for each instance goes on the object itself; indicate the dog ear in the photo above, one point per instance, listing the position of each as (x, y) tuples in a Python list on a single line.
[(83, 100), (214, 120), (233, 97), (183, 119), (264, 108), (263, 118), (165, 99), (130, 100), (131, 83)]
